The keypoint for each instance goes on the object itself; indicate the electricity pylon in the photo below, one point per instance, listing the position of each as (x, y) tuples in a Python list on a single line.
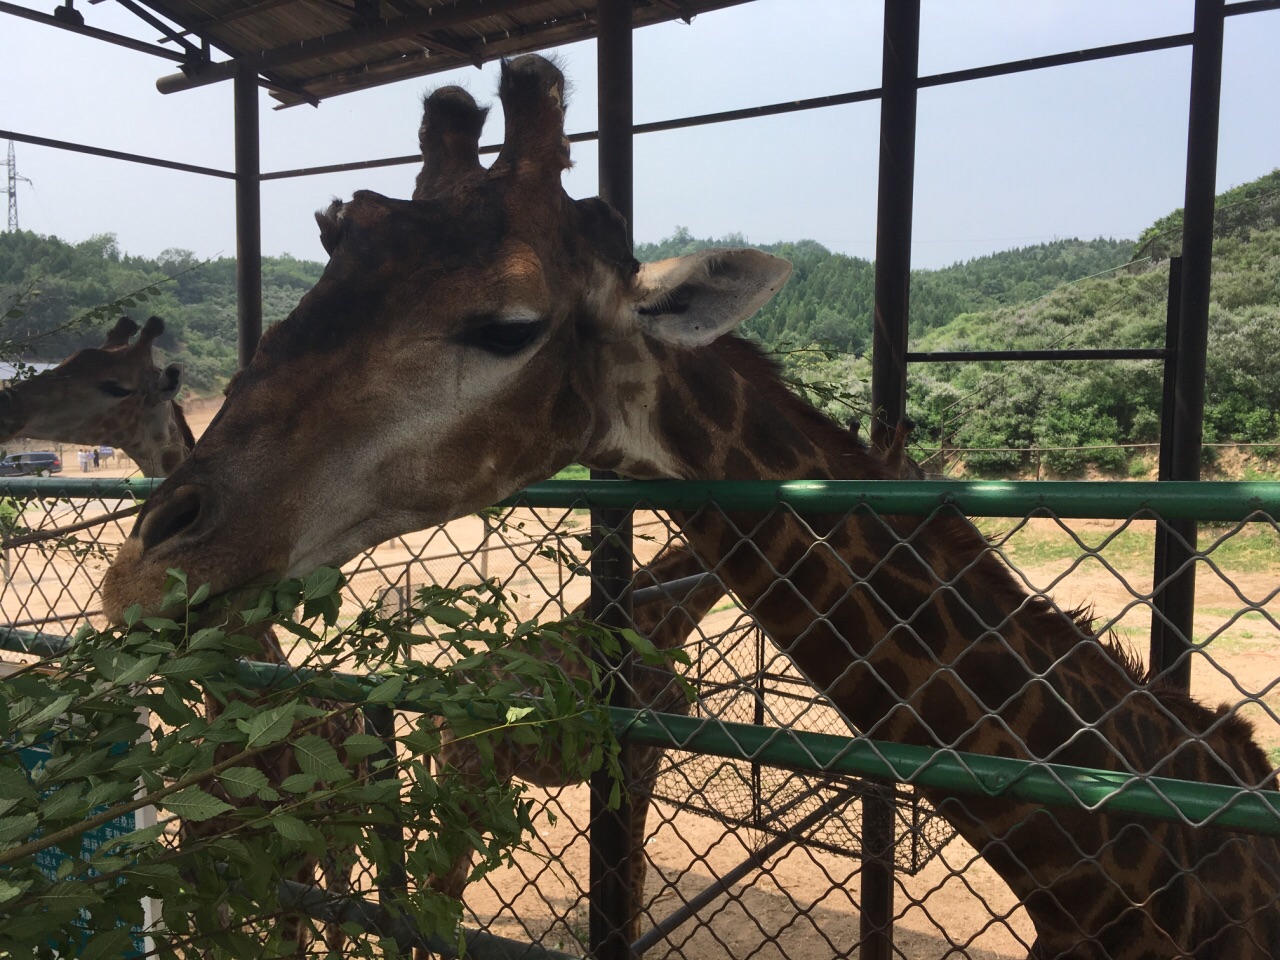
[(14, 177)]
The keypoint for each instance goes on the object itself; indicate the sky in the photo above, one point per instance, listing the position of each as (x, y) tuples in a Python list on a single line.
[(1081, 151)]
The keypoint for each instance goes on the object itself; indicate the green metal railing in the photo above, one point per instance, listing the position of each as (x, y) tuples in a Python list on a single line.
[(946, 770), (1107, 500)]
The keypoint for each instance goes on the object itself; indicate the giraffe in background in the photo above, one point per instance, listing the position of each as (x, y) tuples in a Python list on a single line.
[(112, 395)]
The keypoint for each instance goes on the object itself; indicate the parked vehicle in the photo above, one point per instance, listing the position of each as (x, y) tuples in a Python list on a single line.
[(40, 463)]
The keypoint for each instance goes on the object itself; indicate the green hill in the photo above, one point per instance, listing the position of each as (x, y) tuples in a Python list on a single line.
[(1045, 404), (1068, 293), (829, 296), (53, 282)]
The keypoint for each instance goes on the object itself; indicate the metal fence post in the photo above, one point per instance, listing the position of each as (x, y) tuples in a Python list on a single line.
[(1187, 396), (611, 903), (248, 214), (900, 76)]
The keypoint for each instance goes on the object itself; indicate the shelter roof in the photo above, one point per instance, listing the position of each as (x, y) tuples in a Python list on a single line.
[(313, 49)]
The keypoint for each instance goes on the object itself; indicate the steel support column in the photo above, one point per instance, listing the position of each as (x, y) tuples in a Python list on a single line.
[(248, 216), (899, 85), (610, 901), (1175, 636), (893, 212)]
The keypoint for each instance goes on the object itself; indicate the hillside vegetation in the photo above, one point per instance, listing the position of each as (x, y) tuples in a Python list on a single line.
[(1068, 293)]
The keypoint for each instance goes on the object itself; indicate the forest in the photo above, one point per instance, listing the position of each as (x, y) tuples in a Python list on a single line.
[(1067, 293)]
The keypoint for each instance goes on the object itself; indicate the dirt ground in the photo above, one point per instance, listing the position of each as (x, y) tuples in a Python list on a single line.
[(805, 903)]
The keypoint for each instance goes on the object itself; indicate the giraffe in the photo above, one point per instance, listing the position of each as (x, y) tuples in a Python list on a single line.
[(492, 330), (113, 394)]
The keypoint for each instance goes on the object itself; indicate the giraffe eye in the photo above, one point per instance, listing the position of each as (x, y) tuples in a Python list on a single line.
[(113, 389), (505, 337)]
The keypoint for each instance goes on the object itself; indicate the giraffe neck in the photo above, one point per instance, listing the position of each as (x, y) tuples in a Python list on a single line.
[(919, 633)]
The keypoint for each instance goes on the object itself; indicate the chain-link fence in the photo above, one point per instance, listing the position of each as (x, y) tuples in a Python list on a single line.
[(785, 847)]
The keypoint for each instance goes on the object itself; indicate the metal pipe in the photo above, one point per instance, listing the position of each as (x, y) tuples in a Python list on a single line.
[(114, 154), (960, 356), (830, 100), (676, 591), (1219, 500), (1229, 500), (1193, 328), (610, 902), (248, 217), (949, 771), (93, 32), (899, 73), (1166, 644)]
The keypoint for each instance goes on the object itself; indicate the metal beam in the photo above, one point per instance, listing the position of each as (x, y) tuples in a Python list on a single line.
[(899, 73), (1101, 353), (114, 154), (93, 32), (1176, 636), (610, 902), (248, 217)]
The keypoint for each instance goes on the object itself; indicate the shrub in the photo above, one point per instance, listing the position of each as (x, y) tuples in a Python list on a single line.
[(217, 890)]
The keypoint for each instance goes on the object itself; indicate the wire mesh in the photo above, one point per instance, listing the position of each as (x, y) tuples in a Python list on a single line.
[(788, 842)]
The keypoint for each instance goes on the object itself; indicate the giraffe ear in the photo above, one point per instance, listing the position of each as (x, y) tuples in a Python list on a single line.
[(694, 300), (170, 381)]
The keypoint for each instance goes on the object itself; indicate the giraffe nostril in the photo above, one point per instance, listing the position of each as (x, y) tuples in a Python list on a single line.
[(177, 513)]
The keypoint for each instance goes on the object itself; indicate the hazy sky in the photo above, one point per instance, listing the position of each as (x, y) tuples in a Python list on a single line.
[(1090, 150)]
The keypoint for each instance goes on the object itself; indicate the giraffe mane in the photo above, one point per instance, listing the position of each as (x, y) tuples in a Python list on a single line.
[(188, 438), (764, 372)]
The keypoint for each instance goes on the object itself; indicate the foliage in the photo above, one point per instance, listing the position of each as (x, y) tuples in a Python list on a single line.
[(1237, 212), (219, 886), (56, 283), (1068, 293), (1099, 403)]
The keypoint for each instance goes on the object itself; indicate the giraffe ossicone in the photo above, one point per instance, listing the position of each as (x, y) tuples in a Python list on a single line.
[(491, 330)]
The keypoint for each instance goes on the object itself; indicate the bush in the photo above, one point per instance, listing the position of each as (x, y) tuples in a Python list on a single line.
[(219, 886)]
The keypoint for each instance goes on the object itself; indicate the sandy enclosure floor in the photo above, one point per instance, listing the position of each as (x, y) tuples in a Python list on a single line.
[(805, 902)]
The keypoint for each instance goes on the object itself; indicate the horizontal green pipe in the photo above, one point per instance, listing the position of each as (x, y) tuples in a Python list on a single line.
[(1050, 784), (74, 488), (977, 498), (1201, 500), (37, 644), (950, 771)]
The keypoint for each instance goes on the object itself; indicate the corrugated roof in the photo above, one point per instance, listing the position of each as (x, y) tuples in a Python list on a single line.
[(313, 49)]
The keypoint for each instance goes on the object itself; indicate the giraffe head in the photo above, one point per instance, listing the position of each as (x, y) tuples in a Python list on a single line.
[(113, 394), (458, 346)]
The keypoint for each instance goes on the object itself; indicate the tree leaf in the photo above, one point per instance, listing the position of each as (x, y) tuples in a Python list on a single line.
[(386, 691), (291, 828), (267, 727), (318, 758), (360, 745), (243, 781), (18, 828), (194, 804)]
